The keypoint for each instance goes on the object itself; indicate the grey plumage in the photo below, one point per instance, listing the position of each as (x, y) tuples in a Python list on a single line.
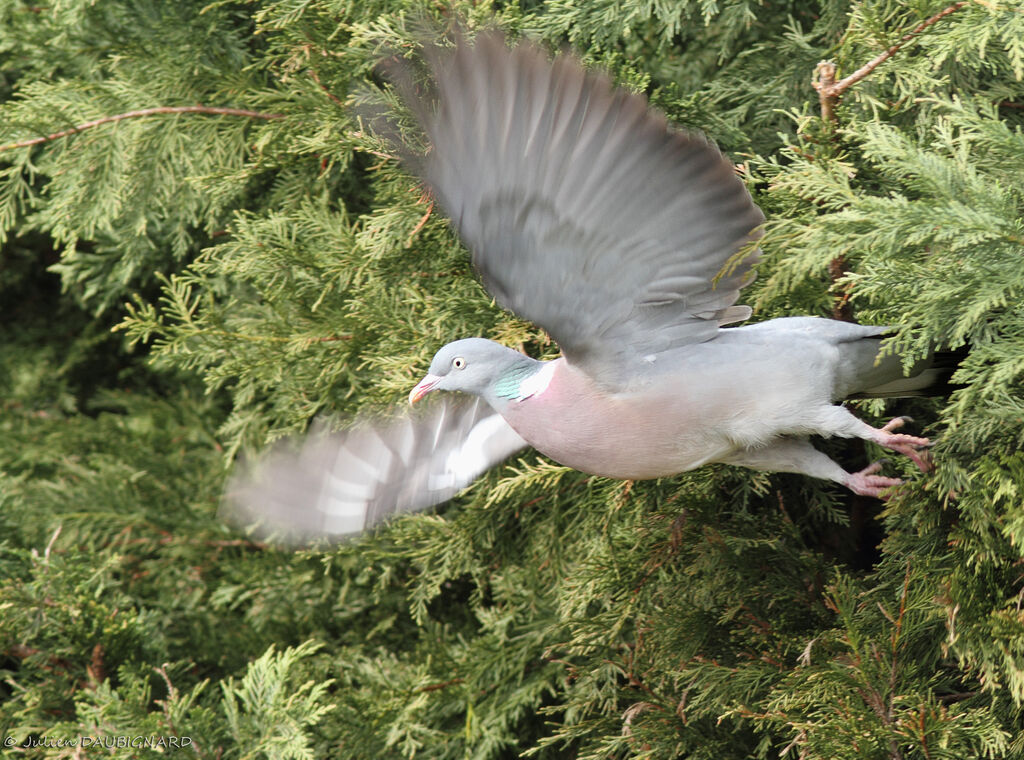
[(582, 210), (629, 243)]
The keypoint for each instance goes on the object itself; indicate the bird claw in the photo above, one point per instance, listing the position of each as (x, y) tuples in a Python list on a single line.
[(896, 423), (902, 443), (919, 458), (867, 483)]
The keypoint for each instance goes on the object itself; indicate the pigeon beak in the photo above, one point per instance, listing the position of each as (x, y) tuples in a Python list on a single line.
[(425, 386)]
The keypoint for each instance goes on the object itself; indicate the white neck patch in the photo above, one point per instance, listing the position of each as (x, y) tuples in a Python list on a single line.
[(536, 383)]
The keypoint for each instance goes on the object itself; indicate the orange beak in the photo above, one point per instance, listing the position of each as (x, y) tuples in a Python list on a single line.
[(425, 386)]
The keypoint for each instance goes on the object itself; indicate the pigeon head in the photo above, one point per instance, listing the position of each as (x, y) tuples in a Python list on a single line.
[(470, 365)]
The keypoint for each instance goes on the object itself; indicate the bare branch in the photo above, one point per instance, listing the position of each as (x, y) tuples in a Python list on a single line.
[(425, 197), (138, 114), (829, 90), (824, 83), (842, 309)]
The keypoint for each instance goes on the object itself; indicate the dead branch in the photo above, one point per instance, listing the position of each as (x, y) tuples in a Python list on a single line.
[(138, 114), (829, 90)]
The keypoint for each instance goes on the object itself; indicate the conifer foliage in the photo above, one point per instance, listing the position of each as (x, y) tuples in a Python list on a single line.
[(203, 249)]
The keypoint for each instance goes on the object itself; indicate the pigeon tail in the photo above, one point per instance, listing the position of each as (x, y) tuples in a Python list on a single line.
[(931, 377)]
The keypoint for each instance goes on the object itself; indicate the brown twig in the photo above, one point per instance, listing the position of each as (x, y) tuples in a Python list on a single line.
[(841, 309), (957, 696), (439, 686), (829, 90), (215, 111), (420, 223), (96, 670), (327, 92), (329, 338)]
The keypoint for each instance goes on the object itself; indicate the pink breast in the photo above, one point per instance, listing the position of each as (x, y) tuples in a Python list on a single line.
[(621, 436)]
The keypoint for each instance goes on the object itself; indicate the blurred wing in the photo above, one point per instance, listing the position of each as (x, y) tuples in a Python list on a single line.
[(583, 211), (340, 484)]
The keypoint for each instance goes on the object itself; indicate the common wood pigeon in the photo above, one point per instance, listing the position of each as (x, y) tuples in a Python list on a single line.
[(623, 238)]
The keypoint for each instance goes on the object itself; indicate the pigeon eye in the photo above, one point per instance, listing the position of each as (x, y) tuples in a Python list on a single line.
[(458, 362)]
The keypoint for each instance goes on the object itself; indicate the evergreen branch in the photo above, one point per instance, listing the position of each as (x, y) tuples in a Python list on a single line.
[(380, 154), (219, 543), (167, 706), (690, 617), (140, 113), (54, 664), (829, 90)]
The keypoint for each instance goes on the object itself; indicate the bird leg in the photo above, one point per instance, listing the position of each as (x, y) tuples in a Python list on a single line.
[(837, 420), (798, 455)]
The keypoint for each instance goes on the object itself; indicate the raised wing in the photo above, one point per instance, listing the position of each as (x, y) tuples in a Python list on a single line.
[(339, 484), (583, 211)]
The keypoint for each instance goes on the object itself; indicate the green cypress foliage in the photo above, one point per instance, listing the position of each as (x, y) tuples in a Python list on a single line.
[(193, 176)]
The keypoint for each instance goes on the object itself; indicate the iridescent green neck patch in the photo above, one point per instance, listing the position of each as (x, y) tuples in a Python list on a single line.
[(507, 386)]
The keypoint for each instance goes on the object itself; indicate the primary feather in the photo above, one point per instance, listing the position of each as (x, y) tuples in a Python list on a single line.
[(584, 212)]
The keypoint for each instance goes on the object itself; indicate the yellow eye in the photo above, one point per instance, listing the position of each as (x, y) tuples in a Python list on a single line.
[(458, 362)]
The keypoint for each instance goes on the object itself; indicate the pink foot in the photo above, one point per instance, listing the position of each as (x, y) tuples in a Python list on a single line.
[(904, 444), (896, 423), (866, 483)]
